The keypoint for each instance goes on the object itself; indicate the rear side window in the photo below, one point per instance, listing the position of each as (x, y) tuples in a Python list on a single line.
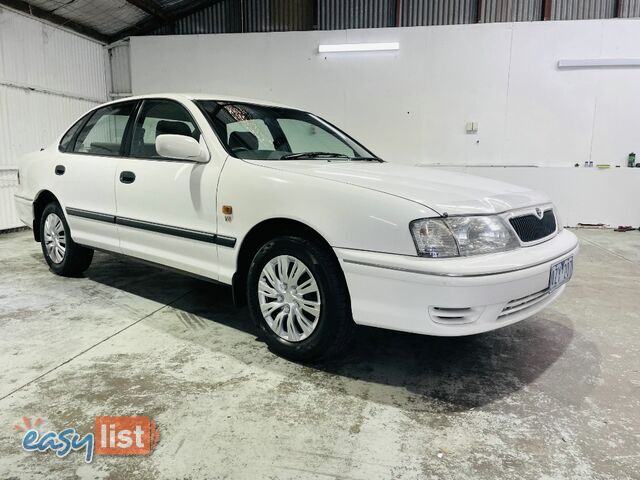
[(159, 117), (103, 133)]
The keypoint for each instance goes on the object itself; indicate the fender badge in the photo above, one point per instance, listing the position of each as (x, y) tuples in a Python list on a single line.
[(227, 211)]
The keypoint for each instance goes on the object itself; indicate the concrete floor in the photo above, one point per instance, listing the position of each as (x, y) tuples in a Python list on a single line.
[(554, 397)]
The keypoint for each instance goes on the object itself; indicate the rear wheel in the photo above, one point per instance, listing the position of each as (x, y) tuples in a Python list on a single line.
[(62, 254), (299, 299)]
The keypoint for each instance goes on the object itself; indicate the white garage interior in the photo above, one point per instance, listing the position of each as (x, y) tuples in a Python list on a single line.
[(538, 93)]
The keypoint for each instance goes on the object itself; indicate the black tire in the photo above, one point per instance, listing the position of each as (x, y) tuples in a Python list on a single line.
[(335, 326), (76, 258)]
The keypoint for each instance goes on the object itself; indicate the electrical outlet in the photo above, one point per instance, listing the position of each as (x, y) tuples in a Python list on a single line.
[(471, 127)]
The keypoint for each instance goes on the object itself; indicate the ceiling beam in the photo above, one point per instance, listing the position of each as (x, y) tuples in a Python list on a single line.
[(150, 24), (24, 7), (150, 7)]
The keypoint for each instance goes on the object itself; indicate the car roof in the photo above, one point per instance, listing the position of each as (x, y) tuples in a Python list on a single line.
[(201, 96)]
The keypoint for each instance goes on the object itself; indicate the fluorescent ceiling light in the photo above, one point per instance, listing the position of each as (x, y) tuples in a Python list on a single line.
[(599, 62), (359, 47)]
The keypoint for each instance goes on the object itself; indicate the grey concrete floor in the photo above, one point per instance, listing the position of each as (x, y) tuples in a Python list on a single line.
[(554, 397)]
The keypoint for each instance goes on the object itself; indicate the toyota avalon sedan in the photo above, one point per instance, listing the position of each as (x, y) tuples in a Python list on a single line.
[(311, 229)]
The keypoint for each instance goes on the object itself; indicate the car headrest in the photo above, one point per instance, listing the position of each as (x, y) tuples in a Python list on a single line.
[(167, 127), (138, 136), (243, 140)]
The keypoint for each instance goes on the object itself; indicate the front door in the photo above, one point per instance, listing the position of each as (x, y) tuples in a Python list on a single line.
[(84, 175), (166, 209)]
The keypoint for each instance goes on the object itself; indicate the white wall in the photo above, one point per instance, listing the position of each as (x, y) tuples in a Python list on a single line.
[(48, 77), (582, 195), (411, 106)]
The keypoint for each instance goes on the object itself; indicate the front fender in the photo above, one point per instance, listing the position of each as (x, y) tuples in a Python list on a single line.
[(346, 216)]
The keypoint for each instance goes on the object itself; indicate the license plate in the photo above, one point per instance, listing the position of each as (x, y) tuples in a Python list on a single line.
[(560, 273)]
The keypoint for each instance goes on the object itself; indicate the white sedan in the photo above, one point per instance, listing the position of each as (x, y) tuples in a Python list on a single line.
[(310, 228)]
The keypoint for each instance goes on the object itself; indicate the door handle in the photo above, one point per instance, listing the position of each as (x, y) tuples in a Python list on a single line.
[(127, 177), (60, 170)]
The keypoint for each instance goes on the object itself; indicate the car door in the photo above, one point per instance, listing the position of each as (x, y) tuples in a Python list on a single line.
[(84, 174), (166, 208)]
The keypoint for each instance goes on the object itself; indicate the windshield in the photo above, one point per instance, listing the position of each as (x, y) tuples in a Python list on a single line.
[(257, 132)]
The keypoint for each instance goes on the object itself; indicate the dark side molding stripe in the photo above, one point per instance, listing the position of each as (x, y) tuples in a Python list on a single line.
[(102, 217), (167, 229), (155, 227), (225, 241)]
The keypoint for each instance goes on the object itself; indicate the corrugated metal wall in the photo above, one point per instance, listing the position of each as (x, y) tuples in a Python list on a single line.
[(221, 17), (511, 11), (582, 9), (629, 8), (341, 14), (230, 16), (120, 69), (437, 12), (277, 15), (48, 78), (43, 56)]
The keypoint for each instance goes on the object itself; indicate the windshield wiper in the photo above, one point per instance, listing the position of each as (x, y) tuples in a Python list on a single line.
[(292, 156), (367, 159)]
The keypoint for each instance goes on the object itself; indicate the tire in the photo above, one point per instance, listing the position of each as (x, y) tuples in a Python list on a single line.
[(331, 329), (71, 259)]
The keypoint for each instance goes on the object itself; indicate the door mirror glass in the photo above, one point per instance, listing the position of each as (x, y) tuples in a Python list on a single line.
[(181, 147)]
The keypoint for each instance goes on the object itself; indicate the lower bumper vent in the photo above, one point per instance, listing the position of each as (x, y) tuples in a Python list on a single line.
[(453, 316), (524, 303)]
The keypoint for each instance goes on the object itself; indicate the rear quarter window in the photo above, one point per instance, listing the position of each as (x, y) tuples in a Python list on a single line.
[(65, 144)]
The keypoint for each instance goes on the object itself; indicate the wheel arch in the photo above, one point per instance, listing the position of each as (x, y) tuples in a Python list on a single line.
[(42, 199), (258, 236)]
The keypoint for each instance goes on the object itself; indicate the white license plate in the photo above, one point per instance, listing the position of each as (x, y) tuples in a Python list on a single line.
[(560, 273)]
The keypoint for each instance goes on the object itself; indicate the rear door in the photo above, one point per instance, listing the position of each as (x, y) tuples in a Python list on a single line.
[(85, 174), (167, 208)]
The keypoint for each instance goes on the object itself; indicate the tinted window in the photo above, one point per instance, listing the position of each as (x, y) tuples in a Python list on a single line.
[(158, 117), (261, 132), (102, 135), (65, 143)]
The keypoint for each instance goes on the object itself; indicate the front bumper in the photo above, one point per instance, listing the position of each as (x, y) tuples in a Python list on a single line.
[(452, 297)]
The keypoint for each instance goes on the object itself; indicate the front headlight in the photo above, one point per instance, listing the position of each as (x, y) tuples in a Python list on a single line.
[(462, 236)]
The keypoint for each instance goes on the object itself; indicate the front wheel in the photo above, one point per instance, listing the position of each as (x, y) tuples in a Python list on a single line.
[(298, 297), (63, 255)]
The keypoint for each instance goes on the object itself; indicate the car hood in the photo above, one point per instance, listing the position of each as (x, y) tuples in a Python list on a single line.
[(441, 190)]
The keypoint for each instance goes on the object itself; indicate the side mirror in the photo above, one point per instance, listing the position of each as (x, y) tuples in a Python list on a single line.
[(181, 147)]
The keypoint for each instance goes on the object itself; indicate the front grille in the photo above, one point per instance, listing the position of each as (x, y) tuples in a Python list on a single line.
[(531, 228)]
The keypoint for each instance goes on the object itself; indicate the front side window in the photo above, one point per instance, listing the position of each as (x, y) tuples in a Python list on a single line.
[(103, 133), (160, 117), (257, 132)]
